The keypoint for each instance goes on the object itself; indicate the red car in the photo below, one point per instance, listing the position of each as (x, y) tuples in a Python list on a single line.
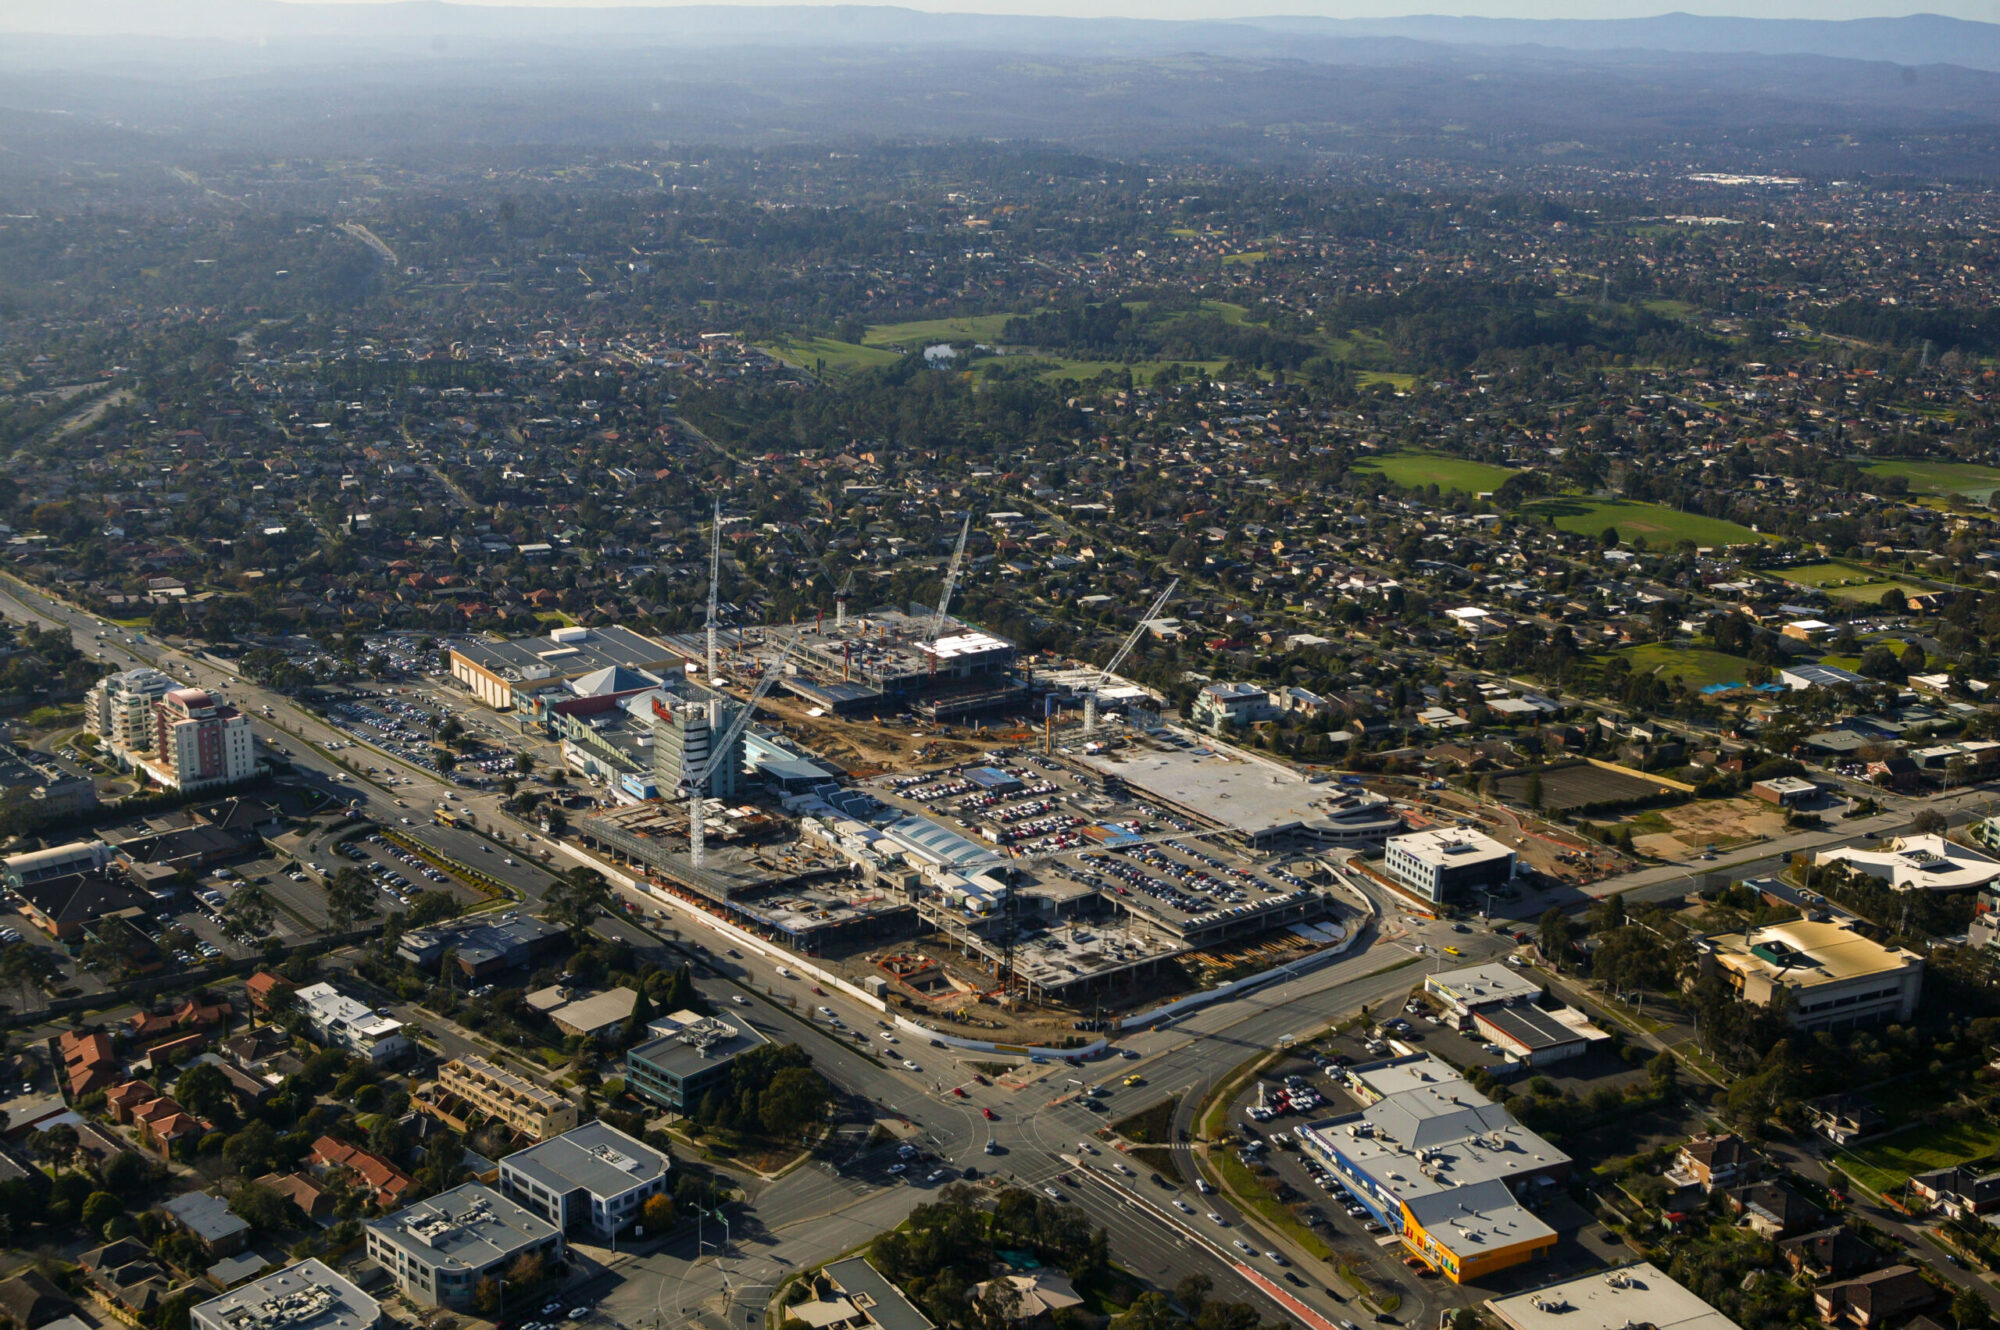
[(817, 989), (991, 1116), (959, 1091)]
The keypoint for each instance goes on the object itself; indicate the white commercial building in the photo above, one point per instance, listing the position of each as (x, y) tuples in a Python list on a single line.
[(305, 1296), (1631, 1295), (1918, 863), (1447, 864), (119, 709), (339, 1021), (593, 1176), (438, 1251), (1826, 975)]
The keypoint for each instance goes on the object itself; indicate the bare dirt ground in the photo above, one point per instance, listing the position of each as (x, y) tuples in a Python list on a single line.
[(1692, 828), (871, 744)]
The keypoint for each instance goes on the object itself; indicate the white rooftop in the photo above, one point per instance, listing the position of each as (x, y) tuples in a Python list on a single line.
[(1639, 1294)]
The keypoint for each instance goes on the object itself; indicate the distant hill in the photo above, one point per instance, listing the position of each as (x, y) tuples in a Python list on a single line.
[(1923, 39)]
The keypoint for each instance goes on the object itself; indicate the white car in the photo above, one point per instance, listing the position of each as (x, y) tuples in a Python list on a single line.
[(1218, 1219), (911, 1065), (1184, 1207), (1245, 1247), (825, 1010), (739, 999)]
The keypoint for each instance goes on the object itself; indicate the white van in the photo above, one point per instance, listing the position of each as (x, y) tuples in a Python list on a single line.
[(783, 973)]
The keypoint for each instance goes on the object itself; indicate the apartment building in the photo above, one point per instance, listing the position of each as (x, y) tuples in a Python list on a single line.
[(119, 709), (338, 1021), (198, 742), (530, 1109)]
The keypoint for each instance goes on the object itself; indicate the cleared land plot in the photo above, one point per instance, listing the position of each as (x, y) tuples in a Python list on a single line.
[(929, 332), (1579, 786), (1884, 1165), (807, 353), (1418, 470), (1725, 824), (1698, 667), (1659, 526), (1964, 479)]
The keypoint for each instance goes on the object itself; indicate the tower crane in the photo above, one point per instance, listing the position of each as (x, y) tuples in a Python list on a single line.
[(1104, 676), (696, 782), (714, 585), (950, 581)]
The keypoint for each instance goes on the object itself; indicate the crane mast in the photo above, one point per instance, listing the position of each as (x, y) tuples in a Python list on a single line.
[(950, 580), (697, 782), (1131, 640)]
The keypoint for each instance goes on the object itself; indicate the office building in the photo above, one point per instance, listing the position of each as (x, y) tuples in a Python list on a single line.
[(197, 742), (305, 1296), (1918, 863), (1447, 864), (1828, 975), (688, 1055), (1476, 987), (530, 1109), (439, 1250), (593, 1176), (119, 709), (338, 1021), (1232, 705), (1441, 1166)]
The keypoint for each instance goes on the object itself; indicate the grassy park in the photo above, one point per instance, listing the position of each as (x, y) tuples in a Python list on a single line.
[(807, 353), (1697, 666), (1415, 470), (1659, 526), (1963, 479), (1885, 1165)]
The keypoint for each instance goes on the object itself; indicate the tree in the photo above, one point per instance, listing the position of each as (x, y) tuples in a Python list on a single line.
[(350, 898), (1969, 1311), (576, 899), (486, 1297), (1192, 1291), (527, 1270), (793, 1101), (1533, 794), (98, 1207), (658, 1214), (1928, 822), (28, 969), (99, 957), (204, 1091), (253, 1150), (248, 916), (1554, 934)]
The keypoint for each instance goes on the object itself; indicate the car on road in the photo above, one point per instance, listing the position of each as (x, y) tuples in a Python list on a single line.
[(1135, 1079), (1131, 1053), (991, 1116), (958, 1090), (911, 1065), (1453, 951), (1184, 1207), (1052, 1193), (1245, 1247), (739, 999), (1274, 1256), (1215, 1218), (578, 1313), (825, 1010), (888, 1038), (992, 1148), (1204, 1186)]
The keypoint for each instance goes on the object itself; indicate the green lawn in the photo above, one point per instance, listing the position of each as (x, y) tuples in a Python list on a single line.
[(1660, 526), (1887, 1164), (1416, 470), (1247, 256), (1846, 582), (928, 332), (1052, 369), (841, 357), (1697, 666), (1368, 377), (1961, 478)]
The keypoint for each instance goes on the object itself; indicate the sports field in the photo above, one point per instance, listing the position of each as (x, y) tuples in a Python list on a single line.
[(1964, 479), (1418, 470), (1660, 526), (929, 332), (1696, 666), (1845, 581), (840, 357)]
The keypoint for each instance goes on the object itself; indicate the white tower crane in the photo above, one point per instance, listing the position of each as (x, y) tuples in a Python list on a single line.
[(950, 581), (714, 584), (1104, 676), (719, 748)]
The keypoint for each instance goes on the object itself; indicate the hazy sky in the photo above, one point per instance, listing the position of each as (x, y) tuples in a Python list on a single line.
[(1983, 10)]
